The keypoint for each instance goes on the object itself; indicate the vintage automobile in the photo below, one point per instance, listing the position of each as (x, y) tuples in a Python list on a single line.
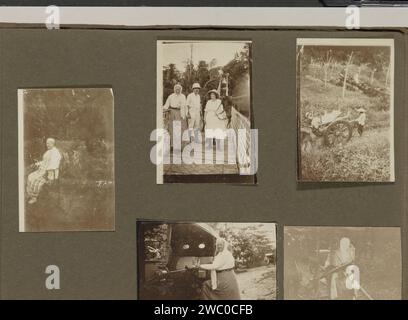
[(168, 255), (270, 258)]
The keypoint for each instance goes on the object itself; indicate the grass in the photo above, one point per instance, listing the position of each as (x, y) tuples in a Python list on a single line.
[(365, 158), (362, 159)]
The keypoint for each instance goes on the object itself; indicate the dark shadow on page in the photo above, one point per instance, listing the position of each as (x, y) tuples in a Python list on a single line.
[(337, 185), (211, 178)]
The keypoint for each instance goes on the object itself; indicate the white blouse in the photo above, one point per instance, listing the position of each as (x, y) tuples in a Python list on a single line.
[(51, 159), (223, 260)]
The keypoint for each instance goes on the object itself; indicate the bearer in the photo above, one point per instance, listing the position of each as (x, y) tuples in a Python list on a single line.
[(361, 120)]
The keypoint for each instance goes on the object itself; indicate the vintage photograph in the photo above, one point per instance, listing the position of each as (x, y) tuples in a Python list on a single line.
[(204, 112), (66, 160), (206, 261), (345, 98), (342, 263)]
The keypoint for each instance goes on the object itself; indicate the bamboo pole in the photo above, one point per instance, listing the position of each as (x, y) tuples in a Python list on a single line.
[(346, 74)]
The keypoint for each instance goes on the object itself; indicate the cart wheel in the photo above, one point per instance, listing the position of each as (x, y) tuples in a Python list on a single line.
[(338, 133)]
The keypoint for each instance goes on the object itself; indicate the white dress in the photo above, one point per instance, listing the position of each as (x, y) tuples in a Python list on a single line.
[(215, 119)]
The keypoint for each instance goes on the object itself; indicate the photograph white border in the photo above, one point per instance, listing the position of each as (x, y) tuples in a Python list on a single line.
[(21, 168), (21, 165), (209, 16), (159, 94), (364, 42)]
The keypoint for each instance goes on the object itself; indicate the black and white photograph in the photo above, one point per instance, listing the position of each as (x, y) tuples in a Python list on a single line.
[(204, 112), (345, 98), (206, 261), (66, 159), (342, 263)]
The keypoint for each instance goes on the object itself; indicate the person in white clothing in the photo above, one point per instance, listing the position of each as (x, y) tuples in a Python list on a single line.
[(215, 118), (194, 111), (341, 256), (47, 170), (176, 107), (223, 284)]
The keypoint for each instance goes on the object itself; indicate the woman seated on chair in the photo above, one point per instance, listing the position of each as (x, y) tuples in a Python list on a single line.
[(223, 284), (47, 170)]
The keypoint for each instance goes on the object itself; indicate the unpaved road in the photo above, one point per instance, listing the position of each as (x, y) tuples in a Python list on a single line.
[(258, 283)]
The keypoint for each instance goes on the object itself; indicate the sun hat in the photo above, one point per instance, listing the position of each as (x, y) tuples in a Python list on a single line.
[(213, 91), (196, 85)]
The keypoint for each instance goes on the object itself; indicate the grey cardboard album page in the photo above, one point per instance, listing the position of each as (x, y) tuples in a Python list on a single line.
[(81, 114)]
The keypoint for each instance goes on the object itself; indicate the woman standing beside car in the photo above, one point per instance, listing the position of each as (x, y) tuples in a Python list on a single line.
[(223, 284)]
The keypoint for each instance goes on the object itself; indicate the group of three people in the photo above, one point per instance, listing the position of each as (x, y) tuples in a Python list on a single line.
[(188, 112)]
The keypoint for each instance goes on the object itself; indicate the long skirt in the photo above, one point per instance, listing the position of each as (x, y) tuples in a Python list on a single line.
[(35, 182), (227, 287), (175, 115)]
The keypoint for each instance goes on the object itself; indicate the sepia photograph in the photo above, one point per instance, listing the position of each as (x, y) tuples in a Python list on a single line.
[(345, 99), (206, 261), (204, 112), (342, 263), (66, 160)]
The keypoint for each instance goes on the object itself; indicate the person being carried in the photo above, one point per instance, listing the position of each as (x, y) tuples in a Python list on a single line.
[(46, 171)]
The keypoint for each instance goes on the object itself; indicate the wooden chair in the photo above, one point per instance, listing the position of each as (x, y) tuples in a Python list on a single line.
[(53, 182)]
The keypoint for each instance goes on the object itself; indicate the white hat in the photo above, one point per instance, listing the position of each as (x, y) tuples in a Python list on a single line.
[(196, 85), (213, 91), (361, 110)]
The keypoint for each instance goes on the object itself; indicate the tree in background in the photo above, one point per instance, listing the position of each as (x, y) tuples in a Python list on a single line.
[(334, 61), (81, 120), (249, 244), (238, 67), (205, 71), (171, 76), (156, 238)]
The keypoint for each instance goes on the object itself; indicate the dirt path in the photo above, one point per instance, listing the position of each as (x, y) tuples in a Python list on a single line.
[(258, 283)]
